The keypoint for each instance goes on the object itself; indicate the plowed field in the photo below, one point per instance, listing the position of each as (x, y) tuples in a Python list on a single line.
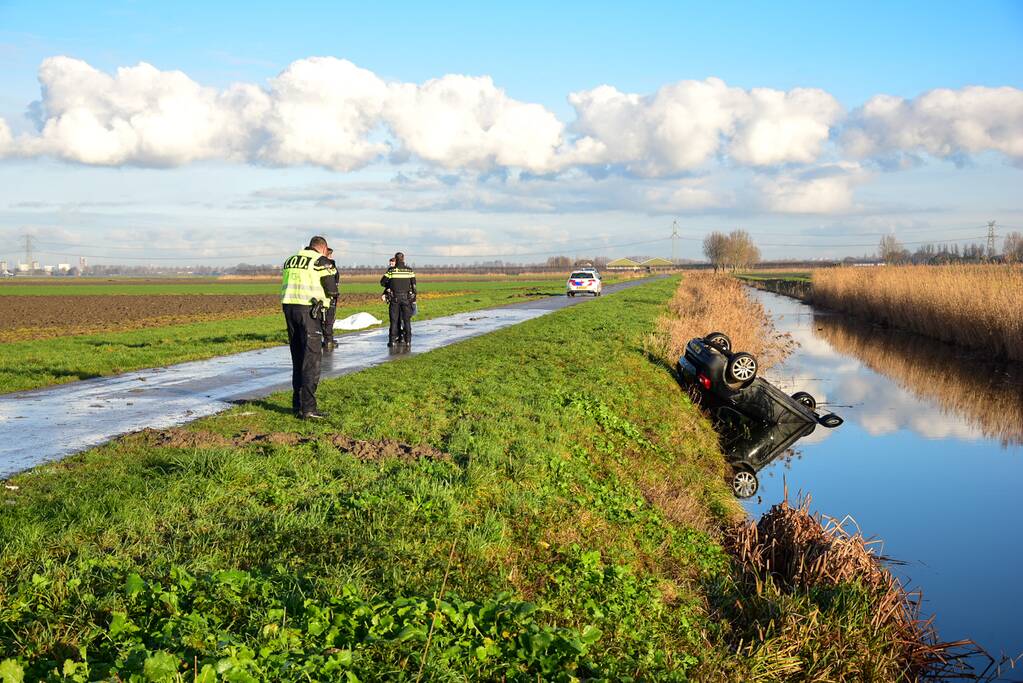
[(44, 317)]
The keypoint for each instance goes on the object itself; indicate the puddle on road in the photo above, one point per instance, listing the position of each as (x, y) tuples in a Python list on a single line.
[(930, 460)]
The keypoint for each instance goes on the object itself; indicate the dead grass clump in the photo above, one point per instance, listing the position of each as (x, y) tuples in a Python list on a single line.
[(704, 303), (976, 306), (792, 551)]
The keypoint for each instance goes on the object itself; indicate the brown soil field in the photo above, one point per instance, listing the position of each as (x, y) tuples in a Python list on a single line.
[(34, 317)]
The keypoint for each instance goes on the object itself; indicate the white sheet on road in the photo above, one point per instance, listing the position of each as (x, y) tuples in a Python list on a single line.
[(359, 321)]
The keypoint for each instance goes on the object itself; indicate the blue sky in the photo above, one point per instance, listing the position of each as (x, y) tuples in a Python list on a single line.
[(858, 174)]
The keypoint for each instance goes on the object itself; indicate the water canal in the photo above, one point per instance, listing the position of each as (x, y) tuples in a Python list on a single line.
[(930, 459)]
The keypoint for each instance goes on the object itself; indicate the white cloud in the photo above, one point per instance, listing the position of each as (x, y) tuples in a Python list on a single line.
[(943, 123), (140, 116), (330, 113), (6, 139), (683, 125), (466, 122), (825, 189), (321, 111)]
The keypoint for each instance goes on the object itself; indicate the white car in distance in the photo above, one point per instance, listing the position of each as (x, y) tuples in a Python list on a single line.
[(584, 280)]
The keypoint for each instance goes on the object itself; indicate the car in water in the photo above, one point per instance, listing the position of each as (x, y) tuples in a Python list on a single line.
[(584, 281), (728, 387), (749, 445)]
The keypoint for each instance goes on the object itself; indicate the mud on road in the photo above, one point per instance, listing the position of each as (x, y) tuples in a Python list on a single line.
[(45, 317)]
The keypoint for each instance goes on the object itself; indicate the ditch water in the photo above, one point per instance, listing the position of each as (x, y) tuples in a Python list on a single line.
[(930, 459)]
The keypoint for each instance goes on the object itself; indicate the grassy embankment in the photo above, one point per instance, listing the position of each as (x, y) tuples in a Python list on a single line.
[(35, 363), (541, 503)]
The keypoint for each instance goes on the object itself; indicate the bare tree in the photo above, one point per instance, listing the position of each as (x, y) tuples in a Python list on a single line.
[(715, 248), (563, 262), (1013, 247), (742, 253), (890, 250)]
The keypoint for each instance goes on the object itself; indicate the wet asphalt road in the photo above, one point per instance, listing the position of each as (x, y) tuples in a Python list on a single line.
[(48, 424)]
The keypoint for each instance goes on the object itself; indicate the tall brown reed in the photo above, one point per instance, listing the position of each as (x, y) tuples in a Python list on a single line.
[(976, 306), (704, 303)]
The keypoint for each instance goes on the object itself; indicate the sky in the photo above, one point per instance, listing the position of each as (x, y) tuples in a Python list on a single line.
[(218, 133)]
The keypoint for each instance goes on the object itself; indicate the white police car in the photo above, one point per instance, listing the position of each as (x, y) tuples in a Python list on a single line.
[(584, 281)]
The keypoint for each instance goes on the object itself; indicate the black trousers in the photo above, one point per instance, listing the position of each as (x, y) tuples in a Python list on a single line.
[(328, 323), (400, 315), (305, 336)]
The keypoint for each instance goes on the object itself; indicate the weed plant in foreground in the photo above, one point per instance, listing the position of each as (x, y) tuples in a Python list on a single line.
[(976, 306), (540, 503)]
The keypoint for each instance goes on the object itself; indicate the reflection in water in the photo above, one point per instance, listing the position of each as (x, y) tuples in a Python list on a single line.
[(751, 445), (988, 395)]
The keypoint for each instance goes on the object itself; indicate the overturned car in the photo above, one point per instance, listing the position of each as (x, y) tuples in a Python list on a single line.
[(756, 420)]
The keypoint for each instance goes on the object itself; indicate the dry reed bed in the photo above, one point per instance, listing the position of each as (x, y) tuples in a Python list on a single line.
[(791, 549), (704, 303), (976, 306), (989, 396)]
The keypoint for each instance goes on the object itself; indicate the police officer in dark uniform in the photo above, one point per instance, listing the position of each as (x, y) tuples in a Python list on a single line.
[(330, 315), (399, 283), (309, 284)]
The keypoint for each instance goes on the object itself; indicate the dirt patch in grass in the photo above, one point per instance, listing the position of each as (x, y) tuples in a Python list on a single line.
[(373, 450), (46, 317)]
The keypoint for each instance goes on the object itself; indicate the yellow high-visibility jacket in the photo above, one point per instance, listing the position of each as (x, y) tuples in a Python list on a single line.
[(308, 276)]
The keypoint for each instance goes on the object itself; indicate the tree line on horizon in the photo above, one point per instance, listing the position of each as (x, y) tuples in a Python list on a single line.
[(891, 251)]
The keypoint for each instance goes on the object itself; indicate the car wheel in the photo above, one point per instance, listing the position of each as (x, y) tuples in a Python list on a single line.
[(744, 483), (806, 399), (741, 369), (719, 341), (571, 293), (831, 421)]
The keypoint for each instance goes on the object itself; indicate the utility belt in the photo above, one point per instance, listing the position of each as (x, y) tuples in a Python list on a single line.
[(395, 297)]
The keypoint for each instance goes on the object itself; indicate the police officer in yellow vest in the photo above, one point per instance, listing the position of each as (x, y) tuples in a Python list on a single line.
[(308, 288)]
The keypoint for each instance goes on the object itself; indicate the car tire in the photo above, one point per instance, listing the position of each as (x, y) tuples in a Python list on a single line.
[(806, 399), (570, 293), (741, 369), (831, 421), (744, 483), (719, 340)]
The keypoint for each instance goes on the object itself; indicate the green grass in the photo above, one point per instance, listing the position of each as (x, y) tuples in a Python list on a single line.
[(793, 276), (33, 364), (568, 530), (272, 559)]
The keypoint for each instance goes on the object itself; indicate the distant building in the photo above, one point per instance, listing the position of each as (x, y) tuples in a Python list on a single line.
[(48, 270), (3, 266), (657, 262), (63, 267), (623, 264), (24, 268)]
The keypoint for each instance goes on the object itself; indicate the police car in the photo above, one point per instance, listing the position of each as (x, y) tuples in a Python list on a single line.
[(584, 280)]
